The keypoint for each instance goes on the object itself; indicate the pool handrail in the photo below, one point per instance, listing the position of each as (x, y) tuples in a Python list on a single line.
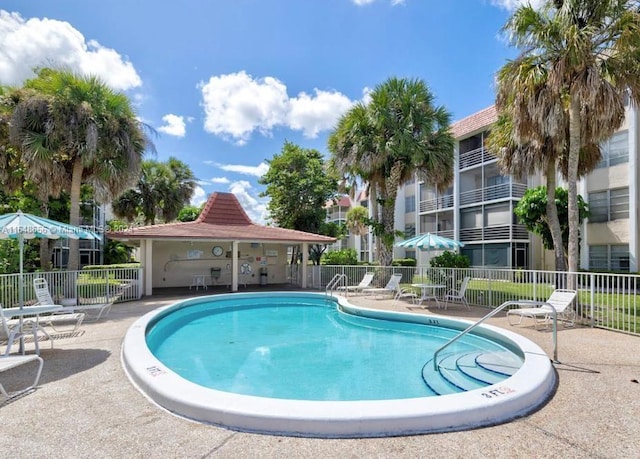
[(335, 281), (493, 313)]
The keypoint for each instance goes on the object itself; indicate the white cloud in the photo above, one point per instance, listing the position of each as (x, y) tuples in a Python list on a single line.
[(256, 209), (220, 180), (236, 105), (199, 196), (174, 125), (511, 5), (47, 42), (256, 171), (312, 114)]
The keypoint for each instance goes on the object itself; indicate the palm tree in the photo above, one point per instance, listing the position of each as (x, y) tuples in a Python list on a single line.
[(578, 63), (163, 189), (400, 132), (77, 124)]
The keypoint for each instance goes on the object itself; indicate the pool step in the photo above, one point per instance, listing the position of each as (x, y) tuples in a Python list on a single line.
[(463, 372)]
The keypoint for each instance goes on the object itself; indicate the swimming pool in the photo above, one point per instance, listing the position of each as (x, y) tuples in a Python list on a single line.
[(360, 373)]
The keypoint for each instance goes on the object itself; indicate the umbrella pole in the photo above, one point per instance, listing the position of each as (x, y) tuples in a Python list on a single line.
[(21, 287)]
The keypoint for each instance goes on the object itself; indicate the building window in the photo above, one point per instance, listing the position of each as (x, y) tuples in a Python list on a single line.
[(609, 257), (609, 205), (615, 150), (409, 204)]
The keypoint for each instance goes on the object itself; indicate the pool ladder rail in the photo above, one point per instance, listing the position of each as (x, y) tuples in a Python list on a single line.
[(335, 282), (493, 313)]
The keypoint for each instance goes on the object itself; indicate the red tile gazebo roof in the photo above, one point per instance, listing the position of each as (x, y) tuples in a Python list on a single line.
[(222, 218)]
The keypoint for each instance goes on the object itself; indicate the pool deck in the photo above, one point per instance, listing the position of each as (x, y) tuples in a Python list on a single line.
[(85, 405)]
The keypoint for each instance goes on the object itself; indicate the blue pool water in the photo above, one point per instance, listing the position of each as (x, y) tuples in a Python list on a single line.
[(300, 348)]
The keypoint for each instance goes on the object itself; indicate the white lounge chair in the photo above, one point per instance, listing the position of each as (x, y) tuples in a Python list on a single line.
[(403, 293), (11, 330), (458, 296), (364, 283), (62, 316), (542, 311), (13, 361), (391, 288)]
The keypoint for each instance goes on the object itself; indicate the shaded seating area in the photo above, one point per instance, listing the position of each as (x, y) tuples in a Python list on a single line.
[(541, 312)]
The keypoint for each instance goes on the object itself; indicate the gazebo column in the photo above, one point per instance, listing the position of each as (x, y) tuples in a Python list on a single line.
[(234, 266), (147, 264), (305, 261)]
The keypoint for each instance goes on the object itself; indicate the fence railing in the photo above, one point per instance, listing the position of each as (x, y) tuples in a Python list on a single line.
[(604, 300), (75, 287)]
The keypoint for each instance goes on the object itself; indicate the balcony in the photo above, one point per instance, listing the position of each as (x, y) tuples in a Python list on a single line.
[(475, 158), (442, 202), (492, 193), (494, 233)]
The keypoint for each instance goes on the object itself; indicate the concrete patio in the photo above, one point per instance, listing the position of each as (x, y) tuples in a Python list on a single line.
[(85, 405)]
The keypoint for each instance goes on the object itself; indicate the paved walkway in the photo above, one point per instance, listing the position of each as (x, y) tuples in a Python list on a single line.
[(86, 407)]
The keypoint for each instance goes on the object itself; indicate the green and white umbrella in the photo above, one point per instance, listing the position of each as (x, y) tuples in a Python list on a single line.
[(428, 241), (26, 226)]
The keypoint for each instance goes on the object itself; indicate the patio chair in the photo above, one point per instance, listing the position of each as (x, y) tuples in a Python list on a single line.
[(391, 288), (458, 296), (541, 311), (11, 331), (364, 283), (13, 361)]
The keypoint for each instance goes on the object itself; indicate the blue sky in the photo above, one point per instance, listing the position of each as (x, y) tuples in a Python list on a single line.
[(226, 82)]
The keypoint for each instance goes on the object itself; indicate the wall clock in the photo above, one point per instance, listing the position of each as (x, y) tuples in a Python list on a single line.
[(217, 251)]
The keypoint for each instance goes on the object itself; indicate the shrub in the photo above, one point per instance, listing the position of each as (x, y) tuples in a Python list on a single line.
[(340, 257), (404, 262), (450, 260)]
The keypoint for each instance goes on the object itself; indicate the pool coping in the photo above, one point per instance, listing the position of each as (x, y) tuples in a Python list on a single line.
[(529, 388)]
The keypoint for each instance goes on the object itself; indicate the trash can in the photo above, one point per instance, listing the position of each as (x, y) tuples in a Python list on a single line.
[(263, 276)]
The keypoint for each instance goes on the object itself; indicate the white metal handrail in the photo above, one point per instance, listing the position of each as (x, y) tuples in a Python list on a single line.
[(493, 313), (335, 282)]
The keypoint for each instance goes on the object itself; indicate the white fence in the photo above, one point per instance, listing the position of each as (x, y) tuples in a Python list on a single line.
[(604, 300), (75, 287)]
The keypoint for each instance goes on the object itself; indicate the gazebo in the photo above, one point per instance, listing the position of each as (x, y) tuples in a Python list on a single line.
[(222, 246)]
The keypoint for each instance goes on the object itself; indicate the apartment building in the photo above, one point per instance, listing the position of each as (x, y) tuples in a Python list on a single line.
[(477, 209)]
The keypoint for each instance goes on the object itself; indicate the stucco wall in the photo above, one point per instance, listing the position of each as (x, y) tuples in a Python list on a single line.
[(175, 263)]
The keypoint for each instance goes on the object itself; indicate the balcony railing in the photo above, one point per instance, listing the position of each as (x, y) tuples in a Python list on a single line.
[(493, 233), (441, 202), (492, 193), (475, 157)]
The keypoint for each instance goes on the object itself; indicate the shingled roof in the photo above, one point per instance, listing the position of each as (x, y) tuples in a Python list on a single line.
[(473, 123), (222, 218)]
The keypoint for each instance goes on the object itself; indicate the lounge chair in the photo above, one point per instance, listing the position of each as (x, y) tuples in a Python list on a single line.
[(11, 330), (364, 283), (458, 296), (391, 288), (62, 316), (403, 293), (13, 361), (542, 311)]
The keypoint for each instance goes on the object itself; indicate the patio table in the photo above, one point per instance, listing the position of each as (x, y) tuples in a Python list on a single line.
[(430, 292)]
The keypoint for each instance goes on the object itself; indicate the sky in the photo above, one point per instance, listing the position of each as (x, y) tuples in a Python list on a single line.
[(225, 83)]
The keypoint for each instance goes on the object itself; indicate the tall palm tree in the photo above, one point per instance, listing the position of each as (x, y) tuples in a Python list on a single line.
[(162, 190), (79, 125), (400, 132), (578, 62)]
